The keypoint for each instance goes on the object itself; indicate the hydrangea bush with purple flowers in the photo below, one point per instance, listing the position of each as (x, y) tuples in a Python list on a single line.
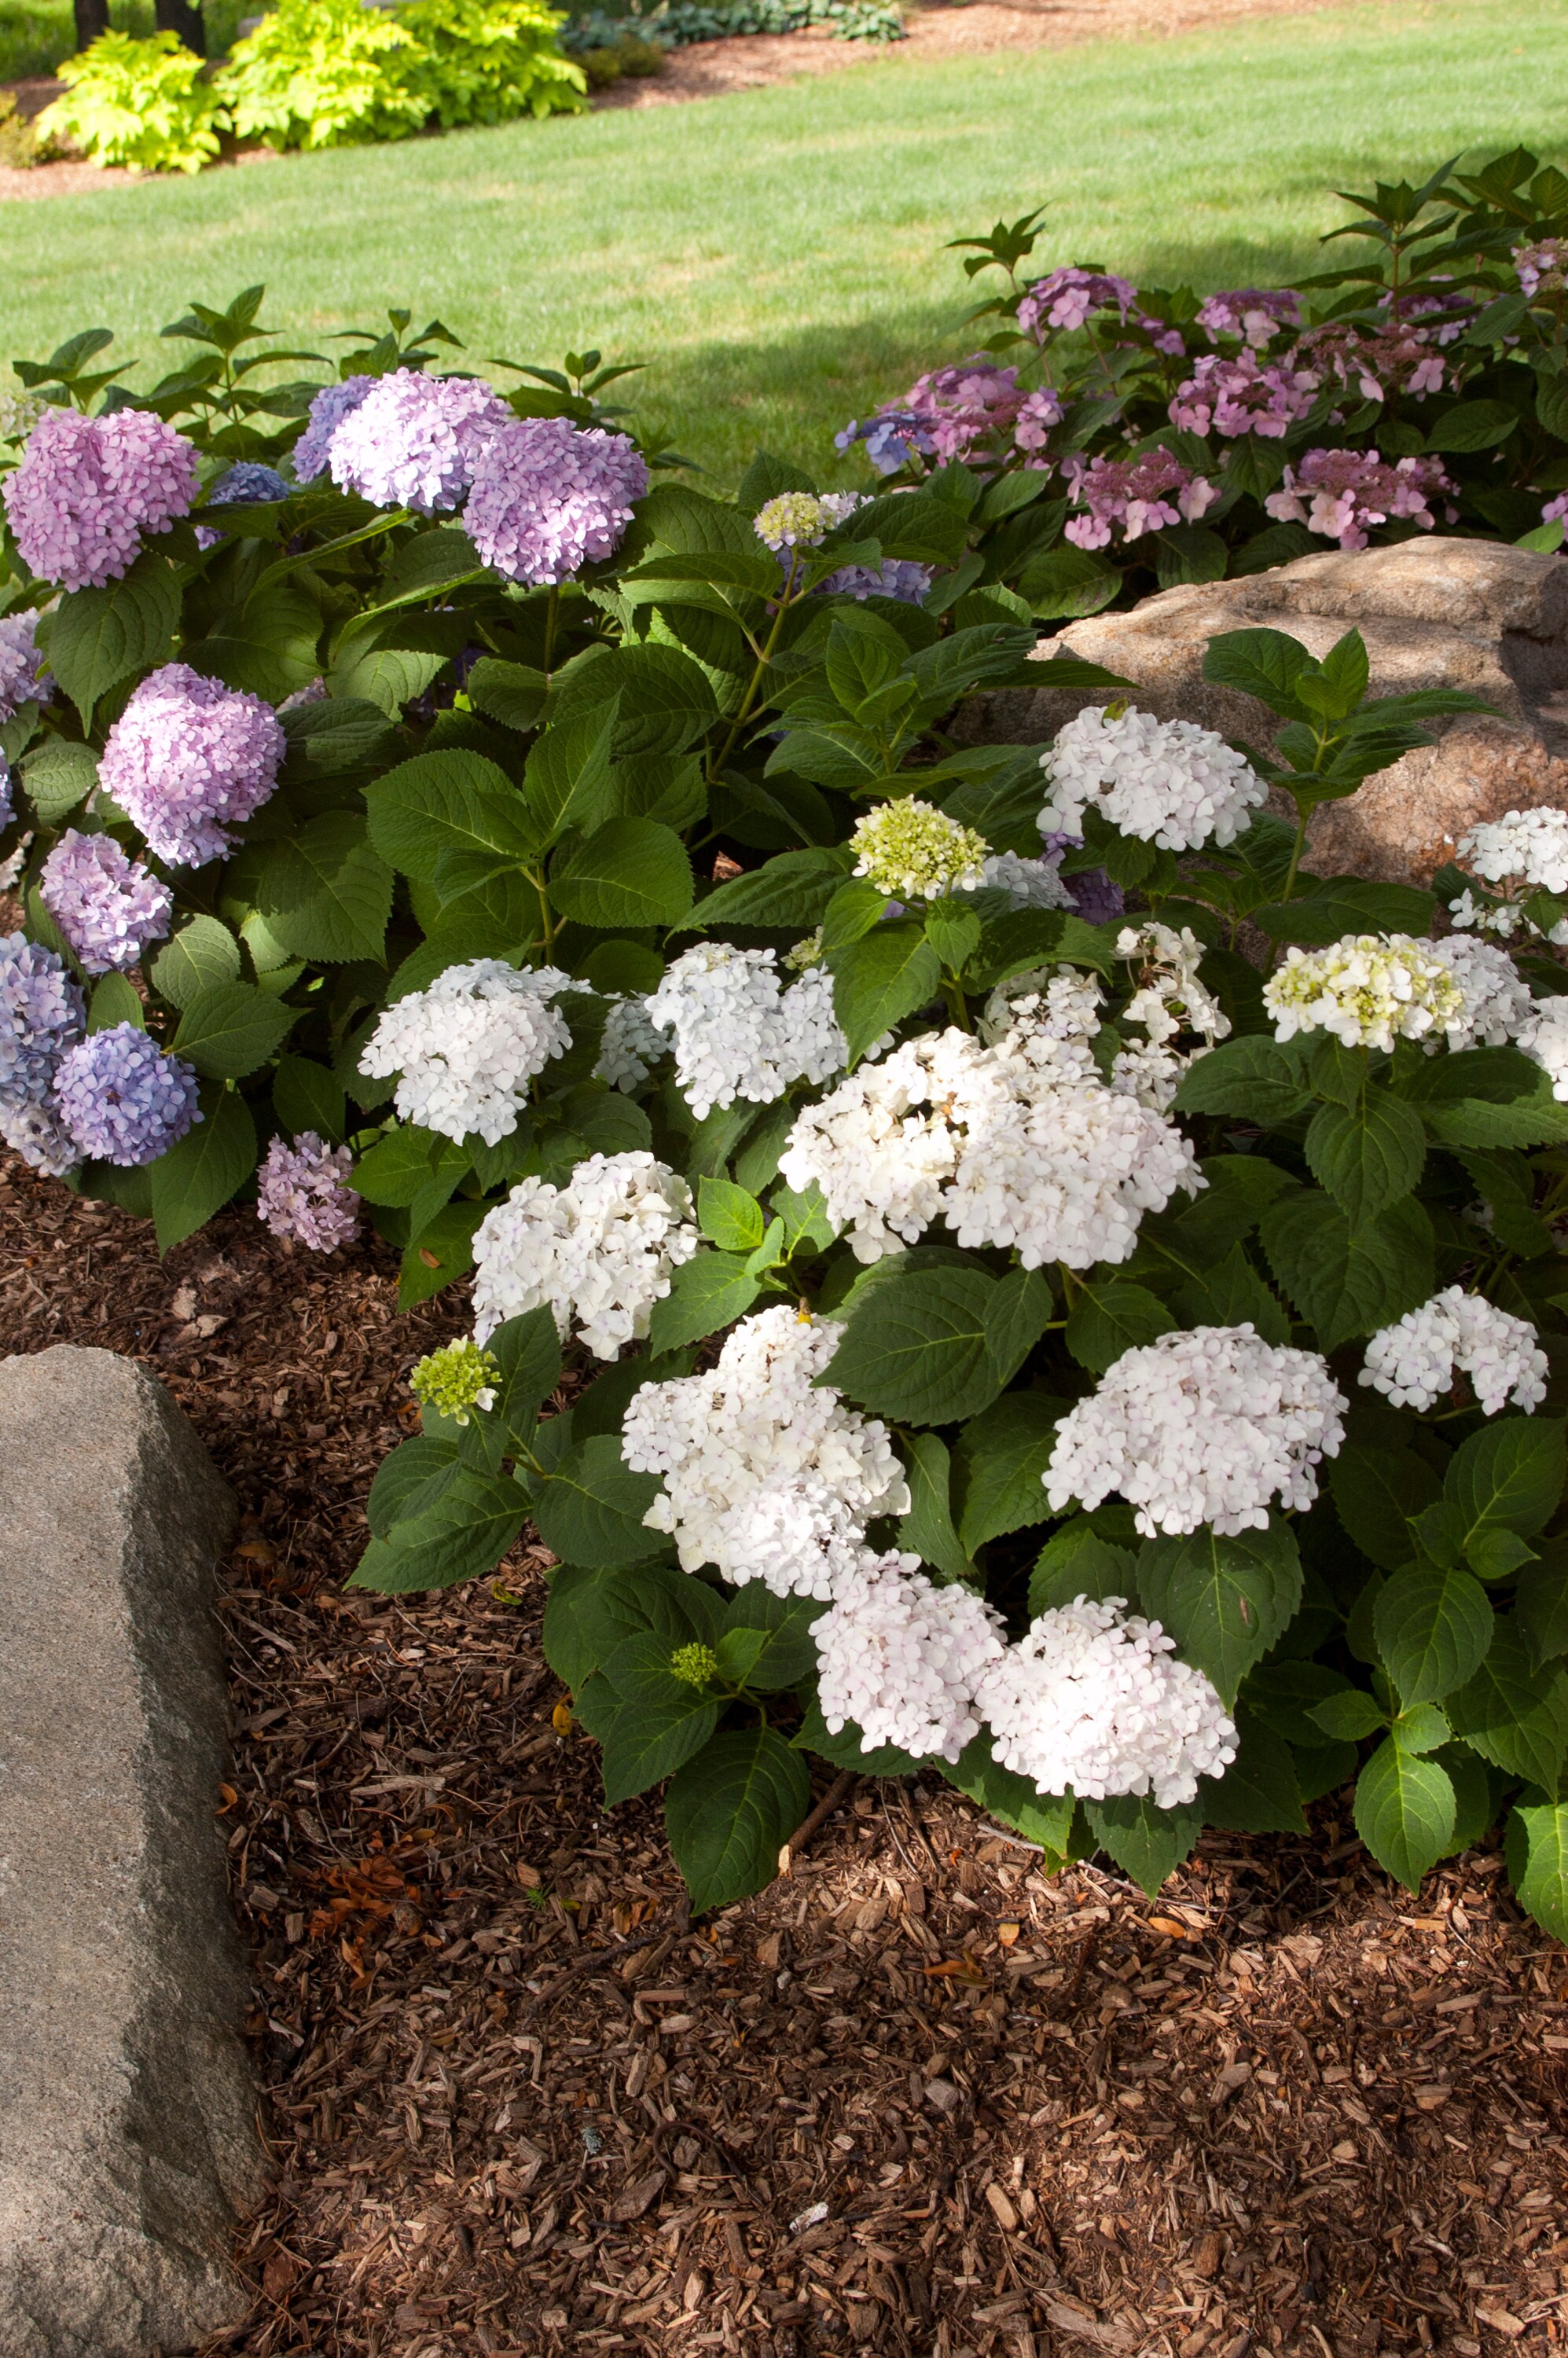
[(1041, 1344)]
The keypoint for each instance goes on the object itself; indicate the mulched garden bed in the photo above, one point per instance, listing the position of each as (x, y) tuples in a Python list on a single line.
[(915, 2099)]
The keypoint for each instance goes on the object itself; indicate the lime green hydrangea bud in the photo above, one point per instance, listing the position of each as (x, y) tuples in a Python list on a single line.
[(917, 853), (455, 1379), (695, 1665), (802, 519), (806, 953)]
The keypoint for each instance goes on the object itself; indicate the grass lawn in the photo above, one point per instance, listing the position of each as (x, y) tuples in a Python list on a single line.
[(777, 255)]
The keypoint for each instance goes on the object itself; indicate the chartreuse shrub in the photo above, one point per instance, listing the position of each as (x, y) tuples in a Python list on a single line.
[(145, 103), (1027, 1337)]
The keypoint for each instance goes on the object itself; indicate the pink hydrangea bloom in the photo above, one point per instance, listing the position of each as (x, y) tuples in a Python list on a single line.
[(1138, 494), (1542, 267), (301, 1194), (1556, 510), (976, 402), (1243, 397), (88, 488), (547, 496), (1400, 359), (1064, 300), (1253, 314), (413, 440), (1445, 316), (1343, 493), (23, 679), (108, 907), (188, 759)]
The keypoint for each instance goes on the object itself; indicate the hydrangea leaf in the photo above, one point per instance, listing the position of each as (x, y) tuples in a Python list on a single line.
[(326, 895), (705, 1293), (768, 1637), (591, 1509), (1224, 1599), (95, 638), (1147, 1842), (1512, 1715), (1378, 1493), (1405, 1812), (660, 1719), (915, 1347), (927, 1529), (1541, 1604), (999, 1466), (1260, 1793), (1509, 1474), (438, 1251), (730, 1810), (628, 872), (1078, 1561), (846, 1749), (229, 1029), (1348, 1281), (593, 1609), (1432, 1629), (462, 1531), (1254, 1077), (59, 775), (403, 1480), (1110, 1317), (1541, 1880), (306, 1096), (1042, 1818), (198, 1175), (1367, 1156)]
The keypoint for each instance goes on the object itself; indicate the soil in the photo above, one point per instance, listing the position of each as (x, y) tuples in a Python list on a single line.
[(710, 68), (917, 2098)]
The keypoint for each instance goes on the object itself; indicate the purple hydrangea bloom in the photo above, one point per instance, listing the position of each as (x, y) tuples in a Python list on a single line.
[(301, 1194), (1064, 299), (547, 496), (1243, 397), (1138, 494), (896, 577), (23, 679), (894, 438), (88, 488), (1253, 314), (41, 1013), (1095, 898), (328, 411), (122, 1099), (412, 442), (1342, 493), (107, 907), (7, 787), (245, 484), (1556, 510), (189, 758), (1542, 269)]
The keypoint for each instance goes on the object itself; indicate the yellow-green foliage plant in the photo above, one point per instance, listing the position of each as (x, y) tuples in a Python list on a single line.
[(142, 104), (488, 60), (323, 73)]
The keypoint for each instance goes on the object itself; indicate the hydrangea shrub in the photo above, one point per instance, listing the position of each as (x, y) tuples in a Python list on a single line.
[(1061, 1295)]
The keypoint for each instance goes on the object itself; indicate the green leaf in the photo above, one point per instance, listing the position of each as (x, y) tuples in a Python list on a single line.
[(441, 803), (1067, 583), (1513, 1717), (202, 955), (915, 1347), (1076, 1562), (115, 999), (1147, 1842), (1349, 1282), (1108, 1318), (786, 1652), (847, 1749), (1509, 1474), (1348, 905), (400, 1166), (306, 1096), (630, 871), (999, 1463), (1378, 1493), (328, 893), (1540, 1605), (472, 1519), (659, 1721), (1284, 1691), (1260, 1793), (1261, 662), (1224, 1600), (1432, 1629), (591, 1509), (1016, 1317), (1405, 1811), (57, 775), (1473, 425), (593, 1609), (1423, 1728), (401, 1478), (438, 1253), (1348, 1714), (1231, 1294), (98, 637), (198, 1175), (705, 1293), (792, 889), (731, 1809), (528, 1353), (511, 693), (953, 932), (567, 779), (729, 1216), (1252, 1078), (230, 1028), (1369, 1157), (880, 980), (1002, 1793), (928, 1529), (1543, 1887)]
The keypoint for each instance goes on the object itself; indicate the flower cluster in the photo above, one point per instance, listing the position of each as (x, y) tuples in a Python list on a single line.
[(548, 497), (455, 1380), (599, 1251), (1166, 782), (1204, 1426), (328, 410), (1244, 396), (914, 852), (188, 759), (735, 1033), (902, 1658), (1400, 359), (89, 488), (975, 410), (411, 441), (122, 1098), (1545, 1039), (1369, 990), (1027, 883), (37, 1134), (1525, 852), (895, 577), (1497, 1001), (802, 519), (41, 1014), (1543, 267), (1412, 1363), (467, 1047), (243, 485), (1172, 996), (19, 413), (759, 1420), (1067, 299), (630, 1045), (23, 678), (303, 1194), (1344, 493), (1253, 314), (1091, 1704), (108, 907), (1136, 495)]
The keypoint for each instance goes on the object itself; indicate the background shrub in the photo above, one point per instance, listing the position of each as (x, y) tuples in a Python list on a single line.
[(487, 60), (145, 103)]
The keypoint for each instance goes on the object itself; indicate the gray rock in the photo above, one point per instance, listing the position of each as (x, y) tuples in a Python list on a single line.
[(1434, 612), (129, 2139)]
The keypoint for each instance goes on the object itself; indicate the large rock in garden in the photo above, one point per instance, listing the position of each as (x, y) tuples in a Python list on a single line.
[(128, 2142), (1434, 612)]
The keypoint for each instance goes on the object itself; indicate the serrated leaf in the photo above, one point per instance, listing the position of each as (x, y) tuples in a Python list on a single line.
[(928, 1529), (659, 1721), (328, 893), (202, 955), (1349, 1282), (1252, 1078), (470, 1522), (1076, 1562), (1348, 1714), (1433, 1628), (1378, 1493), (1147, 1842), (730, 1810), (440, 804), (1260, 1793), (1045, 1819), (230, 1029), (1510, 1474), (705, 1293), (880, 980), (59, 775), (1405, 1812), (1514, 1716), (1110, 1318), (628, 872), (778, 1648), (915, 1347), (729, 1216), (98, 637), (403, 1476), (999, 1463), (1224, 1600), (591, 1508), (115, 999), (210, 1165), (1368, 1156), (1542, 1888)]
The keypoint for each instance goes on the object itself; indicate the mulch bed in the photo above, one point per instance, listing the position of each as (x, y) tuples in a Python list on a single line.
[(916, 2098)]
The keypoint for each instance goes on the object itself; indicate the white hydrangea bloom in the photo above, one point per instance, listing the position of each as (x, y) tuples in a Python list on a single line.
[(1545, 1038), (1203, 1426), (1369, 990), (914, 853), (1090, 1703), (1165, 781), (1412, 1361), (756, 1418), (877, 1146), (1151, 1075), (1497, 1001), (1528, 849), (1173, 996), (1062, 1001), (600, 1251), (468, 1047), (796, 1534), (735, 1033), (35, 1133), (902, 1657), (1029, 883), (632, 1045), (1503, 918)]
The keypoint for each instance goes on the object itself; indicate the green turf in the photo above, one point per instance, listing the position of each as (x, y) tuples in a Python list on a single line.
[(775, 255)]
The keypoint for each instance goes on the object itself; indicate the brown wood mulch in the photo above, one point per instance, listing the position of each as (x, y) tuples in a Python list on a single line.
[(915, 2099)]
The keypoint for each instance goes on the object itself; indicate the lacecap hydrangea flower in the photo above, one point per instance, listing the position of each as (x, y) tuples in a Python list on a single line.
[(1243, 395), (1345, 494), (107, 906), (1208, 1426), (1412, 1362), (549, 497), (328, 410), (1134, 495), (87, 490), (600, 1251), (1542, 267), (1094, 1705), (802, 519), (902, 1658), (23, 678), (1254, 314), (1165, 781), (467, 1047), (303, 1194), (456, 1379), (190, 759), (413, 440), (737, 1034), (1067, 299), (123, 1100), (43, 1012), (1369, 990), (914, 853)]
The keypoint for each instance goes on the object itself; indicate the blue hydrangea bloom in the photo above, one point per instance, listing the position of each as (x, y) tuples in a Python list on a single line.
[(122, 1099), (245, 484), (328, 411), (42, 1013)]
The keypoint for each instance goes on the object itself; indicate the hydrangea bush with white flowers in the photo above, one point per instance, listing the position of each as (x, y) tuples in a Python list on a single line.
[(1058, 1294)]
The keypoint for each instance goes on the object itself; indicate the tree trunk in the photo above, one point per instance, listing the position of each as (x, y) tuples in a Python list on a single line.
[(91, 19), (179, 17)]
